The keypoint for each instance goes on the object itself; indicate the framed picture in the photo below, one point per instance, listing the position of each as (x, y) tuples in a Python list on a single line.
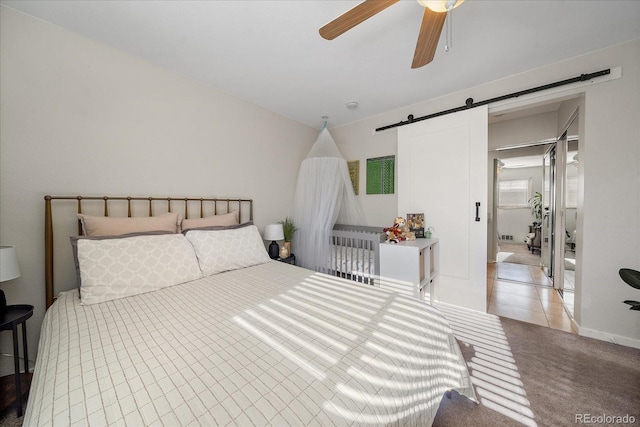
[(381, 175), (415, 222), (354, 174)]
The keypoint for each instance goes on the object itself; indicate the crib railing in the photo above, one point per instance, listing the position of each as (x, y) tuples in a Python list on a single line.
[(356, 253)]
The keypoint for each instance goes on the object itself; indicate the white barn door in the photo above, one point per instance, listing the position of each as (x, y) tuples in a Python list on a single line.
[(442, 171)]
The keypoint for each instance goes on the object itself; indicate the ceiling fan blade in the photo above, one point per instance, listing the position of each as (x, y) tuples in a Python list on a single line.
[(432, 23), (353, 17)]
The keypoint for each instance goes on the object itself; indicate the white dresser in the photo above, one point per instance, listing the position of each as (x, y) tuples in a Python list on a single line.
[(410, 267)]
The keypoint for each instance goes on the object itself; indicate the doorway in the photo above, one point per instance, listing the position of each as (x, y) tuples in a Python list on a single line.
[(550, 302), (519, 288), (517, 212)]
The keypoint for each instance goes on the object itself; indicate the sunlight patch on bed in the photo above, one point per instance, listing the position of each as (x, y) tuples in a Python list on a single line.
[(395, 370), (427, 320), (324, 313), (415, 328), (350, 286), (411, 336), (380, 418), (329, 306), (409, 372), (400, 343), (308, 367), (354, 306), (344, 295), (329, 326), (386, 382), (293, 338), (306, 329), (409, 358), (400, 287), (391, 401)]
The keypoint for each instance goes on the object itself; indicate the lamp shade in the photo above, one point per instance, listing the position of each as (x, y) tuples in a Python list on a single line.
[(273, 232), (440, 5), (9, 268)]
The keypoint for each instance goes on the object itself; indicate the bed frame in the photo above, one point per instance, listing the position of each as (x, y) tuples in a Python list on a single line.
[(155, 205), (350, 241)]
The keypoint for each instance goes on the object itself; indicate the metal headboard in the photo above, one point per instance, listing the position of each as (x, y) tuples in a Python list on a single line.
[(219, 205)]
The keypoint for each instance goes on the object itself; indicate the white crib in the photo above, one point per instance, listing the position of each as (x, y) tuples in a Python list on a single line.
[(356, 252)]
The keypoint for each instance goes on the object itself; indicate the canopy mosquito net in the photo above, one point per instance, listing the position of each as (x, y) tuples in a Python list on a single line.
[(324, 195)]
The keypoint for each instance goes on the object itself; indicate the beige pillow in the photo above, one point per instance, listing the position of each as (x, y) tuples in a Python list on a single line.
[(115, 226), (230, 218), (126, 266)]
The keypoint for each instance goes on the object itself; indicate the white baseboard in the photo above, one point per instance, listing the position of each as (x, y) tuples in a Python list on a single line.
[(605, 336)]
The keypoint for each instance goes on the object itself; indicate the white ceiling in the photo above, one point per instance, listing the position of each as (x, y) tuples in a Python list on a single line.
[(270, 52)]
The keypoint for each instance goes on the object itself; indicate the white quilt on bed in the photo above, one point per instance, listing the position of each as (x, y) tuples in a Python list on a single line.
[(271, 344)]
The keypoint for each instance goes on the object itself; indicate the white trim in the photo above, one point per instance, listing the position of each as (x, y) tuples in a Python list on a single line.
[(608, 337)]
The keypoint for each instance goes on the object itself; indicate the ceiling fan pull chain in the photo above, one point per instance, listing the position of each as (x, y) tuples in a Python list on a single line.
[(449, 29)]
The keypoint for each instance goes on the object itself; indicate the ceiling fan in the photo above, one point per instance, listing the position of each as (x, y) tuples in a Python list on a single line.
[(435, 12)]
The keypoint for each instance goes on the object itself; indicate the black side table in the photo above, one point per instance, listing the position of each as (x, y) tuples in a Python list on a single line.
[(291, 259), (15, 315)]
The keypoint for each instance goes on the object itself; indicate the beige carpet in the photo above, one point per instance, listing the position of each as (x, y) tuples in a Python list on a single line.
[(531, 375), (8, 418), (517, 254)]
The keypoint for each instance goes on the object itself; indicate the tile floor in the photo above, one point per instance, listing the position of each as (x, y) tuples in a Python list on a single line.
[(526, 302), (522, 273)]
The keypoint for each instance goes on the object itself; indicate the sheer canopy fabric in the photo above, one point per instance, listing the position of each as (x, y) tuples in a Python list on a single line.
[(324, 195)]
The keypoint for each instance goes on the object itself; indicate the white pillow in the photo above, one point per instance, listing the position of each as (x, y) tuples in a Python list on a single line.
[(118, 268), (224, 250)]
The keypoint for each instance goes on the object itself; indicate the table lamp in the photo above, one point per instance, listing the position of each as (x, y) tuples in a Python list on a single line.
[(9, 270), (273, 232)]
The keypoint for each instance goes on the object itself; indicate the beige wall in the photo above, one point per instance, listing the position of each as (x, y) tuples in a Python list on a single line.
[(610, 135), (81, 118)]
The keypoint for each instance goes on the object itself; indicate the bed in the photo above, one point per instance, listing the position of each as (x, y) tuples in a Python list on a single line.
[(355, 252), (235, 344)]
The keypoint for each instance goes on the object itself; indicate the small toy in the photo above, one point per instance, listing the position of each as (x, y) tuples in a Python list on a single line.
[(399, 231), (407, 234)]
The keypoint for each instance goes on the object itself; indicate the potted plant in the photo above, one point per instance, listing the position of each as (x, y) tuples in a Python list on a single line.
[(289, 230), (535, 203)]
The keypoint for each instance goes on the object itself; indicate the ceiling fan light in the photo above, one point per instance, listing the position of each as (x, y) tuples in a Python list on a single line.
[(440, 5)]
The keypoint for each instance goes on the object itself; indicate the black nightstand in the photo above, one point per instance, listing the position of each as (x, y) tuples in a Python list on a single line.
[(291, 259), (14, 316)]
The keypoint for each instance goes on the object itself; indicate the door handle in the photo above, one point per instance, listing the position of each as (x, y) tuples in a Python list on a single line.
[(477, 211)]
